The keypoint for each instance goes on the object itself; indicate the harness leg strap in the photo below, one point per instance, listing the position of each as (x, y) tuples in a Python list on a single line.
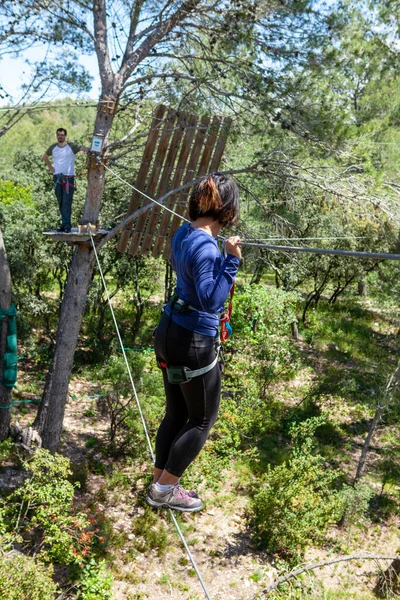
[(181, 374)]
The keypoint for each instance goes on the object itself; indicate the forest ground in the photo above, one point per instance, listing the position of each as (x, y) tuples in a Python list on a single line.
[(144, 552)]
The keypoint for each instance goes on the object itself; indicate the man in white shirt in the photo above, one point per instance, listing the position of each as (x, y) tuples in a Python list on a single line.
[(63, 154)]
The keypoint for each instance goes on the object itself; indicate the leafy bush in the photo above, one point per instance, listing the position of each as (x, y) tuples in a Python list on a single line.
[(95, 582), (41, 513), (244, 417), (24, 577), (260, 309), (294, 503), (356, 503), (41, 516), (11, 192)]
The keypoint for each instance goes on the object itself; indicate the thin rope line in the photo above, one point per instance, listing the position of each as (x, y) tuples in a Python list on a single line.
[(142, 417), (122, 347), (143, 193)]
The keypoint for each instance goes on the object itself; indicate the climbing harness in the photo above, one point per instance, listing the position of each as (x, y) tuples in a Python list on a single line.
[(181, 374), (10, 355), (191, 558), (64, 181), (180, 306)]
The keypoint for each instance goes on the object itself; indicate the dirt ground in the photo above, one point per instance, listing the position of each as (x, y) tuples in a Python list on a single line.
[(218, 538)]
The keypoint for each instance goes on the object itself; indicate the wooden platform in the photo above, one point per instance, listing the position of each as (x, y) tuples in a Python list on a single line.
[(75, 236)]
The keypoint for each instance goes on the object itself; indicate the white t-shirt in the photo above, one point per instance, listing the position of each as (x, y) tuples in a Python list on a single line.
[(63, 158)]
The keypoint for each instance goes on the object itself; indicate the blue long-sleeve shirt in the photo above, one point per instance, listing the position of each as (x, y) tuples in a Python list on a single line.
[(204, 278)]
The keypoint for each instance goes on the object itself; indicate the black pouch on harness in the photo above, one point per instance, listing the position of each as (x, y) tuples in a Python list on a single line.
[(178, 374), (179, 306)]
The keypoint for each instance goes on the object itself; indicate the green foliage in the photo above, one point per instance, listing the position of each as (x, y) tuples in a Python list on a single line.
[(41, 516), (23, 577), (356, 503), (11, 192), (126, 429), (294, 503), (42, 511), (95, 582), (261, 310), (151, 533), (244, 417), (7, 452)]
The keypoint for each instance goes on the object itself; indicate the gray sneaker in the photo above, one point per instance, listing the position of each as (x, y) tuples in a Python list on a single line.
[(176, 497)]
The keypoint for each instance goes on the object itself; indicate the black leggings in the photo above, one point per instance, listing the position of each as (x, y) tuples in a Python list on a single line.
[(192, 407)]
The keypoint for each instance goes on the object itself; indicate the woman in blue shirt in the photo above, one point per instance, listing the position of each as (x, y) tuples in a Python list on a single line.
[(185, 338)]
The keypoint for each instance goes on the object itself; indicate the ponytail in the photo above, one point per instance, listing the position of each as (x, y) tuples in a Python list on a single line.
[(215, 196), (209, 198)]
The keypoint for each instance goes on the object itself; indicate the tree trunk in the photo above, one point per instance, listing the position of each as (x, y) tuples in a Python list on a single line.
[(362, 288), (5, 301), (380, 410), (50, 416)]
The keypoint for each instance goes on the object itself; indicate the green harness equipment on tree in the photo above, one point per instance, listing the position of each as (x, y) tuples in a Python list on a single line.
[(10, 352)]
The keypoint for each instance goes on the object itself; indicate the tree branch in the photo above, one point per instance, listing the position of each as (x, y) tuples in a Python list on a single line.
[(318, 565), (154, 38)]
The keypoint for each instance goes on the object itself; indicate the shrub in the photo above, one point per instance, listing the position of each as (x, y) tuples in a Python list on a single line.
[(294, 502), (95, 582), (24, 577), (259, 309), (41, 513), (356, 503)]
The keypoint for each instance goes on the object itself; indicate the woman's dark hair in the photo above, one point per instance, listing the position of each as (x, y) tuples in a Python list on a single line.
[(215, 196)]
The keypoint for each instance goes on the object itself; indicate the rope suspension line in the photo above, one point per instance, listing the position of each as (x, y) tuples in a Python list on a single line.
[(142, 416), (143, 193)]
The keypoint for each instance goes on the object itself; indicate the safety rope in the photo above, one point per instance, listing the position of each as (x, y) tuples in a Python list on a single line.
[(141, 192), (141, 414)]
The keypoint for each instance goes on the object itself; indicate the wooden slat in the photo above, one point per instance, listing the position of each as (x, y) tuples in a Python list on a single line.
[(152, 184), (220, 146), (190, 174), (176, 182), (208, 147), (142, 174), (164, 182)]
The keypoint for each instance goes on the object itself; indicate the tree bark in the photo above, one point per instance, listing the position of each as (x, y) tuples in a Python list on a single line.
[(5, 302), (50, 415), (380, 410), (362, 288)]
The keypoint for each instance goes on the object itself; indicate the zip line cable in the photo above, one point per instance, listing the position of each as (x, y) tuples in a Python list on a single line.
[(375, 255), (142, 417), (342, 237)]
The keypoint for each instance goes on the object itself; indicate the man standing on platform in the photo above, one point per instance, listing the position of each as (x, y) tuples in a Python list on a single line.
[(63, 154)]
